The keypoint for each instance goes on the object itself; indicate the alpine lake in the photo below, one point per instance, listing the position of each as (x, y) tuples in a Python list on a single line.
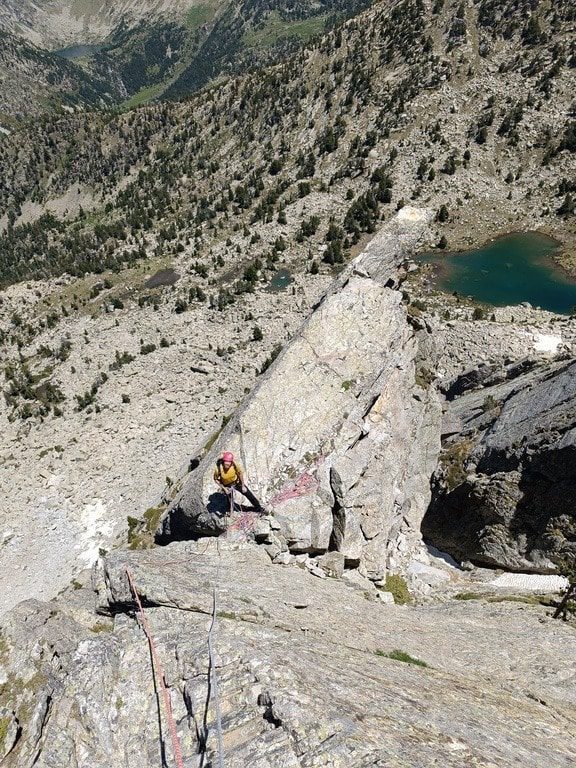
[(510, 270), (78, 51)]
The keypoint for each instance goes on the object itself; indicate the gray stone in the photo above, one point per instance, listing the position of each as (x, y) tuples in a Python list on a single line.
[(85, 690), (315, 570), (283, 558), (385, 597), (9, 731), (332, 563), (428, 573), (262, 531), (505, 498)]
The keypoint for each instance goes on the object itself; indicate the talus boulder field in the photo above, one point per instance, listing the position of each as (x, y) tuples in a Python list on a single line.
[(341, 403)]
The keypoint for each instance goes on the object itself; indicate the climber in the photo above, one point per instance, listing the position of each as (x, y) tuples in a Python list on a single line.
[(229, 476)]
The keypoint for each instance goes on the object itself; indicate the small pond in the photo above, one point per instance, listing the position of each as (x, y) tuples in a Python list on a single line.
[(280, 281), (509, 270), (163, 277)]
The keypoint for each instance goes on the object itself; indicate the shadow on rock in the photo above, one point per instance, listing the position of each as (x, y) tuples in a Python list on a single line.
[(194, 523)]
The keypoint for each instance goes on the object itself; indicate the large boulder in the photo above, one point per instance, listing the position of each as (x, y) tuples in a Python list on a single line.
[(339, 405), (504, 492)]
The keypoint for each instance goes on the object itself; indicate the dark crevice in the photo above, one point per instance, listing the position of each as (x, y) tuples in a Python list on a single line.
[(265, 701), (362, 436), (338, 515), (42, 727), (339, 520), (193, 464), (370, 405), (17, 738), (338, 527)]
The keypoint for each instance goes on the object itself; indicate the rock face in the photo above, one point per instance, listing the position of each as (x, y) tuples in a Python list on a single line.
[(340, 404), (504, 493), (303, 673)]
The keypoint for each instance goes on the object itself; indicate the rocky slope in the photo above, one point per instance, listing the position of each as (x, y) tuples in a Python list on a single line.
[(71, 481), (303, 669), (98, 406), (505, 487), (79, 477), (225, 195)]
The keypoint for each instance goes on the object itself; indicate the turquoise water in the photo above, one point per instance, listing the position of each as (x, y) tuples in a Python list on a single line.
[(78, 51), (280, 281), (506, 271)]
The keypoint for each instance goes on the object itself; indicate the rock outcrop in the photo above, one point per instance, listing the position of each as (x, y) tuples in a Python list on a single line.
[(342, 403), (303, 670), (505, 489)]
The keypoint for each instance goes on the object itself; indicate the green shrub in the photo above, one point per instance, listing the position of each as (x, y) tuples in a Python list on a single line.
[(398, 655), (399, 589), (453, 460), (269, 360), (490, 403), (478, 314)]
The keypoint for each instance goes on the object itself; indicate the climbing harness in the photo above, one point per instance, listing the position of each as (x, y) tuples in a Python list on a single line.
[(159, 672)]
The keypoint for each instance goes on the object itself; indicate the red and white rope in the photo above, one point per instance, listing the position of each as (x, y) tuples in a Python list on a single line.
[(159, 672)]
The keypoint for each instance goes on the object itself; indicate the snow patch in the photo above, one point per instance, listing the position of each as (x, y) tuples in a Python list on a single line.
[(533, 582), (547, 342)]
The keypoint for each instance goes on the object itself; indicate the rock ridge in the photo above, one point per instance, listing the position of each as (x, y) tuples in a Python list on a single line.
[(341, 403), (289, 650)]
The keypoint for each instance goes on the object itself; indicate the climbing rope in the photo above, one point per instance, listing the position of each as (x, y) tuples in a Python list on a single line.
[(157, 666), (303, 485), (212, 664), (244, 522), (159, 672)]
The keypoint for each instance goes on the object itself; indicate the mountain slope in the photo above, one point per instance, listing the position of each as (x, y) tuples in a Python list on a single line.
[(396, 105), (292, 167), (171, 48), (33, 81)]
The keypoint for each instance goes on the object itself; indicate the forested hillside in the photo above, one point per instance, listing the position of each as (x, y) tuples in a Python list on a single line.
[(137, 52), (408, 102), (34, 81)]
